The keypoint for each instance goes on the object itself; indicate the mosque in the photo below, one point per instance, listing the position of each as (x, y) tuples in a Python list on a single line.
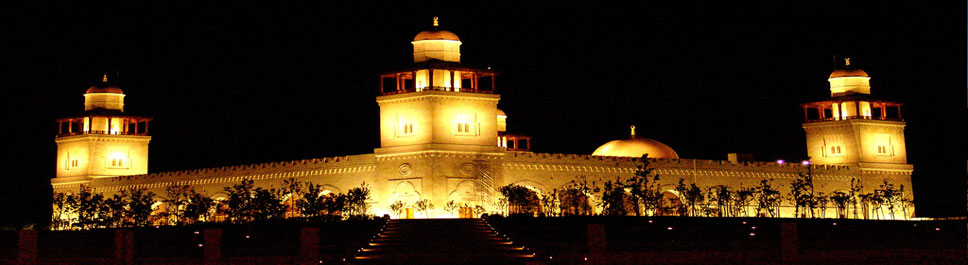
[(442, 138)]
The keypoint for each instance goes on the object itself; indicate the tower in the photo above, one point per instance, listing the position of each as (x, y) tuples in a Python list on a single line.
[(854, 129), (852, 126), (101, 141), (438, 126)]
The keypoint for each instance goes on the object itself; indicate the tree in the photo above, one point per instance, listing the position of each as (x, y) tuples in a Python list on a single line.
[(198, 207), (62, 211), (550, 204), (768, 198), (267, 205), (424, 205), (312, 202), (841, 200), (724, 200), (90, 207), (855, 187), (799, 190), (573, 198), (820, 203), (450, 207), (613, 198), (239, 202), (115, 214), (644, 191), (521, 200), (292, 191), (140, 201), (745, 196), (356, 199), (397, 208), (175, 200)]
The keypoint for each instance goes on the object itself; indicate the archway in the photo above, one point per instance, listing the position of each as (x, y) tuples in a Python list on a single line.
[(402, 200)]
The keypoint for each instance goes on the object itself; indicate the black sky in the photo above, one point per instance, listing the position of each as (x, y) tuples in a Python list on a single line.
[(240, 83)]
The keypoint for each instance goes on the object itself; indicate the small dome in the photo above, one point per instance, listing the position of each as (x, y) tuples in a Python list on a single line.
[(104, 89), (636, 147), (436, 35), (501, 113), (848, 73)]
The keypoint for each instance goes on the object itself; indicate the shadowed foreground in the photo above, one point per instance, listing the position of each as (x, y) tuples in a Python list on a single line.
[(498, 240)]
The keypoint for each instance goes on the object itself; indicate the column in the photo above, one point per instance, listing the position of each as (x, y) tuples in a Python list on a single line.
[(212, 251), (124, 246), (493, 82), (27, 247), (309, 243), (789, 244)]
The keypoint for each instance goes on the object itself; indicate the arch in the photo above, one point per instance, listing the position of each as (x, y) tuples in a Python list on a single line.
[(671, 203), (465, 191), (406, 192), (532, 185)]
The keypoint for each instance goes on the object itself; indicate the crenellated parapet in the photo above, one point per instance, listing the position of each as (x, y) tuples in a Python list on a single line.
[(587, 164), (305, 168)]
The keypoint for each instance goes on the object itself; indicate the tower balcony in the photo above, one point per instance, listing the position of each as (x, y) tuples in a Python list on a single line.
[(852, 107), (842, 118), (103, 125), (438, 76)]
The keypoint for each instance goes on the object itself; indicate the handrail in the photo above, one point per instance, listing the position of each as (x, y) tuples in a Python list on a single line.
[(435, 88), (100, 132), (855, 118)]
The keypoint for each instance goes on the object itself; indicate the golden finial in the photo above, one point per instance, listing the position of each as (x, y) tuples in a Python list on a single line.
[(105, 78), (435, 22), (633, 130), (847, 61)]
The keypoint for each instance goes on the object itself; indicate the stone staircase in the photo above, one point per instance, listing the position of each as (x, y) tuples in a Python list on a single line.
[(441, 241)]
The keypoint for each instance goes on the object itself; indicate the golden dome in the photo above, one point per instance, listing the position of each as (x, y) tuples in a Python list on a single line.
[(636, 147), (103, 87), (848, 73), (436, 35)]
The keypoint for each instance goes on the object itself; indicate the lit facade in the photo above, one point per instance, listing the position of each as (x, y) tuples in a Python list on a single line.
[(442, 138)]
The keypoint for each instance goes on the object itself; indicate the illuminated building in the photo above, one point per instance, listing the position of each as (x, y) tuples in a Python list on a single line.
[(442, 138)]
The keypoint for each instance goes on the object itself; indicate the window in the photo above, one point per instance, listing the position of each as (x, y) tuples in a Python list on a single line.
[(404, 125), (118, 159), (883, 145), (835, 150), (465, 124), (69, 163)]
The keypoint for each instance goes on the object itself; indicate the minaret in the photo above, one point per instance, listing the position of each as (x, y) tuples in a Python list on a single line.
[(438, 101), (852, 126), (102, 141), (859, 131), (439, 128)]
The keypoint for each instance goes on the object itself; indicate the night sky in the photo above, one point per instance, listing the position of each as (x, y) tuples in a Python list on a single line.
[(238, 83)]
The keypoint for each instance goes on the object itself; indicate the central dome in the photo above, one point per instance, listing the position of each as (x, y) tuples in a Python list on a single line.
[(436, 35), (848, 73), (636, 147)]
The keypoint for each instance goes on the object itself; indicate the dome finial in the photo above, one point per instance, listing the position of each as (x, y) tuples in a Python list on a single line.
[(436, 23), (633, 130), (847, 61), (105, 78)]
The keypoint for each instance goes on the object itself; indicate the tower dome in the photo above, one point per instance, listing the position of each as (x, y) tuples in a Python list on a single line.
[(849, 80), (436, 34), (636, 147), (436, 44), (104, 96)]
